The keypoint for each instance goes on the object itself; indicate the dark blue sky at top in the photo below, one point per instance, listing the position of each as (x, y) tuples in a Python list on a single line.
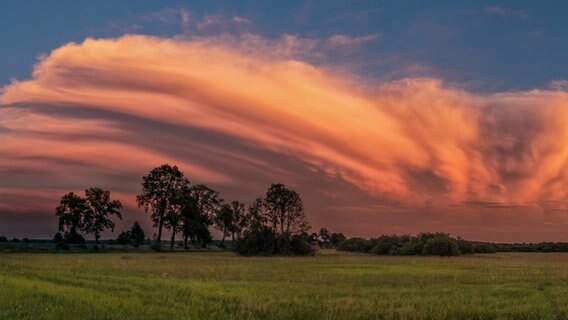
[(482, 45)]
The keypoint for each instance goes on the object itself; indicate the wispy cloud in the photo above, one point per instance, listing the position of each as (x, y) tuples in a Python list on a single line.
[(505, 12), (342, 40)]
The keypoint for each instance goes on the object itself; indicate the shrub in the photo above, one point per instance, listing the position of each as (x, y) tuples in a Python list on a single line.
[(464, 246), (411, 248), (58, 238), (155, 247), (72, 237), (385, 245), (336, 238), (441, 245), (62, 245), (353, 245), (3, 239), (124, 238), (299, 246), (484, 248), (256, 243)]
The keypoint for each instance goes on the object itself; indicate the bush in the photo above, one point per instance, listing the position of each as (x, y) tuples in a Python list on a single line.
[(411, 248), (464, 246), (299, 246), (62, 245), (353, 245), (72, 237), (336, 238), (385, 245), (441, 246), (58, 238), (484, 248), (256, 243), (124, 238), (3, 239)]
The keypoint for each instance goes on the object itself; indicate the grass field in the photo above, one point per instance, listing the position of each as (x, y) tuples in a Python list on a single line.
[(329, 286)]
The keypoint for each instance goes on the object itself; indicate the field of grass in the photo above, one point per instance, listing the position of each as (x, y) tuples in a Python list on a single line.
[(329, 286)]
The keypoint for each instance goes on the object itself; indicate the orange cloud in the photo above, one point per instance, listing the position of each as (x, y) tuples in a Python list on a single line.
[(107, 109)]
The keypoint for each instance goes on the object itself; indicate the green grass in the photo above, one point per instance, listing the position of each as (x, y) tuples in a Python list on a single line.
[(329, 286)]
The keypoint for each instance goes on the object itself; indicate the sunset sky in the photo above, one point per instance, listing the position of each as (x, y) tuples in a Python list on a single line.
[(386, 116)]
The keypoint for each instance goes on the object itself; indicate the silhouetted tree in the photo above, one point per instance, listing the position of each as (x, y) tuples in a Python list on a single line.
[(336, 238), (285, 214), (70, 214), (208, 203), (137, 235), (124, 238), (99, 208), (224, 221), (278, 218), (324, 237), (134, 236), (189, 216), (240, 220), (57, 238), (160, 189), (3, 239)]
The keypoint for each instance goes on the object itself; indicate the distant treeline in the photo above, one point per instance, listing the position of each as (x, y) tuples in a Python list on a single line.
[(274, 223), (440, 244)]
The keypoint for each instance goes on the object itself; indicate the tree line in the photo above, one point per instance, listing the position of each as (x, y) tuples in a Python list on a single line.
[(274, 223), (431, 244)]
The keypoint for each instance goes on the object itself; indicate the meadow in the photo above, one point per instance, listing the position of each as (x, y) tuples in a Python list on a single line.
[(332, 285)]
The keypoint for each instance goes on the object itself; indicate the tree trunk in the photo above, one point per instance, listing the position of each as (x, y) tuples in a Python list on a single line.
[(97, 236), (233, 239), (185, 246), (159, 239), (173, 241), (223, 240)]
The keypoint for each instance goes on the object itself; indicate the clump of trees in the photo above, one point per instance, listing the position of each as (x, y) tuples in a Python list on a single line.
[(181, 208), (431, 244), (90, 214), (327, 239), (275, 224), (134, 237)]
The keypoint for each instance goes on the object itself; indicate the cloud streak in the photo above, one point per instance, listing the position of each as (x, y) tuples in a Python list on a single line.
[(106, 111)]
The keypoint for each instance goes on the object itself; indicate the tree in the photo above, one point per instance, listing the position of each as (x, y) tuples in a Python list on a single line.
[(441, 245), (137, 235), (70, 215), (240, 220), (207, 203), (124, 238), (224, 221), (285, 214), (134, 236), (190, 217), (99, 207), (160, 189), (324, 236), (336, 238), (275, 224)]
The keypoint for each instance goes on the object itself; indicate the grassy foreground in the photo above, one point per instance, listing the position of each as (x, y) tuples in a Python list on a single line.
[(329, 286)]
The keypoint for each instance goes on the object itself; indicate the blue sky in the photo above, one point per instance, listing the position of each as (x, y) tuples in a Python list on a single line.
[(482, 45)]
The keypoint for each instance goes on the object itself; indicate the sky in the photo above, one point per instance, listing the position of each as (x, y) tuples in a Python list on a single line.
[(387, 116)]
